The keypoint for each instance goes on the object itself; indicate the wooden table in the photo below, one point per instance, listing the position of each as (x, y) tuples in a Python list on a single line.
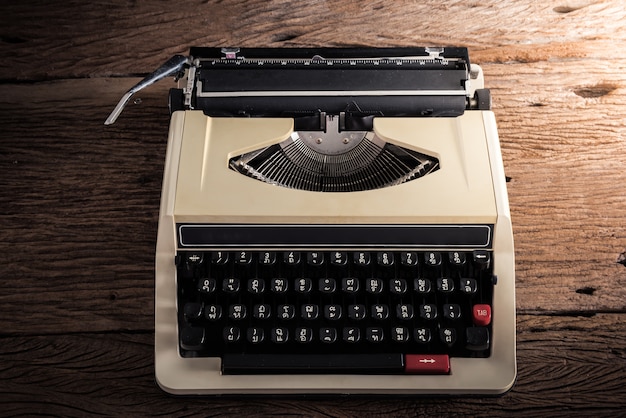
[(79, 200)]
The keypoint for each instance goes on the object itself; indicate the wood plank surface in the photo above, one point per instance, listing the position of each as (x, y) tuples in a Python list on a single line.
[(79, 201), (75, 375), (112, 38)]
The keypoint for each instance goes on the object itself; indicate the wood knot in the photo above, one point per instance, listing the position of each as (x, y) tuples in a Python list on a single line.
[(284, 37), (586, 290), (593, 92), (621, 259), (565, 9)]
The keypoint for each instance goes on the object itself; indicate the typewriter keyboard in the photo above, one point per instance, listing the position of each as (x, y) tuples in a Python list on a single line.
[(363, 312)]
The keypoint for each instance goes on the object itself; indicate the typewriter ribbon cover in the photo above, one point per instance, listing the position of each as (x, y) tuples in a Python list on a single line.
[(308, 180)]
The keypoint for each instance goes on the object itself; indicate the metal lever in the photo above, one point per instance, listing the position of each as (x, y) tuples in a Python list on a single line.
[(172, 66)]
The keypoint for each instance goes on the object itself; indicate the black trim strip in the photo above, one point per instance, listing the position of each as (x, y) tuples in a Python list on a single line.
[(334, 236)]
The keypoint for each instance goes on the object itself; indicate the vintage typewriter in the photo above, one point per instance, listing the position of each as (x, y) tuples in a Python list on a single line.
[(332, 221)]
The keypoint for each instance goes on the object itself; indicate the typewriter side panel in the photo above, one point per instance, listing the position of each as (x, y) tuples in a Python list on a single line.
[(173, 373), (504, 344), (168, 372)]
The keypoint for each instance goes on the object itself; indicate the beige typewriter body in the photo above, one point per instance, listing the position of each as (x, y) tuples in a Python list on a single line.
[(468, 188)]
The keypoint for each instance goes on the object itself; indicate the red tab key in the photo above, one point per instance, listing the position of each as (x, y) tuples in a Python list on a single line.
[(481, 315)]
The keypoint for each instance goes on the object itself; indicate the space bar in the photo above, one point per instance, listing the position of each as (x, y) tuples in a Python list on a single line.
[(313, 363)]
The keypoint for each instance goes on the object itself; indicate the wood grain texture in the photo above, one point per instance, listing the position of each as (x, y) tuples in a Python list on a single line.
[(103, 374), (562, 132), (105, 38), (79, 201), (82, 204)]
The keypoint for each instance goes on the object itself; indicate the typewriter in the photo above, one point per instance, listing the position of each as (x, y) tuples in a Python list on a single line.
[(332, 221)]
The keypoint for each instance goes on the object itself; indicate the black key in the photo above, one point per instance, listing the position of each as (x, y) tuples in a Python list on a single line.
[(404, 311), (256, 286), (477, 338), (397, 286), (243, 257), (278, 285), (408, 258), (428, 311), (286, 312), (219, 257), (422, 286), (212, 312), (374, 334), (422, 335), (380, 312), (267, 258), (432, 259), (304, 335), (469, 286), (328, 335), (194, 259), (192, 263), (206, 285), (400, 334), (350, 285), (280, 335), (192, 311), (385, 258), (445, 285), (374, 286), (313, 363), (231, 334), (327, 285), (332, 312), (315, 258), (261, 311), (231, 285), (451, 311), (361, 259), (339, 258), (447, 336), (255, 335), (482, 259), (356, 312), (351, 334), (456, 259), (237, 312), (309, 312), (291, 258), (192, 338), (303, 285)]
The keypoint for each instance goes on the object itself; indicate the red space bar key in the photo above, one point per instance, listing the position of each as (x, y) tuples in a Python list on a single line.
[(427, 363)]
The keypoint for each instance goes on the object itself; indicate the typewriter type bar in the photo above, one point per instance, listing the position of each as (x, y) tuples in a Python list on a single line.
[(309, 84)]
